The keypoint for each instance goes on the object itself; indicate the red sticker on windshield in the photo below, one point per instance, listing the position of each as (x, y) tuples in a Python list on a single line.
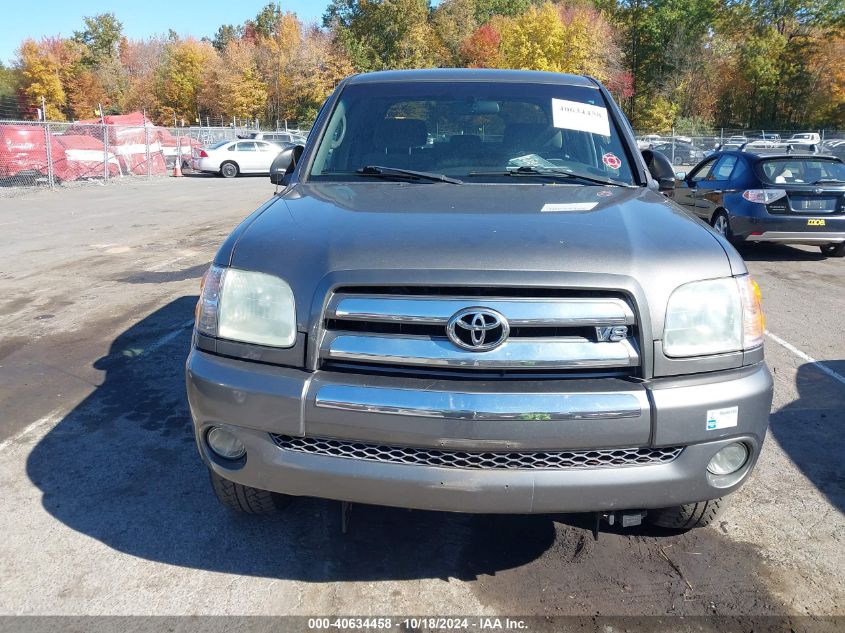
[(611, 160)]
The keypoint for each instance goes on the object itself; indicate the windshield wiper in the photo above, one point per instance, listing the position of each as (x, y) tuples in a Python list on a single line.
[(821, 180), (379, 170), (550, 172)]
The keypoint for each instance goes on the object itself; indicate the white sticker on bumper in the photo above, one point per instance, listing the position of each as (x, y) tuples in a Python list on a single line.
[(722, 418)]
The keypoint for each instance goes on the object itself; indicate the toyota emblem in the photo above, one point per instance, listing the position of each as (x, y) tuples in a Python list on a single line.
[(477, 329)]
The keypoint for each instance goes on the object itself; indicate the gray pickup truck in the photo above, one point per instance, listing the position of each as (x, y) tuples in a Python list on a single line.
[(471, 295)]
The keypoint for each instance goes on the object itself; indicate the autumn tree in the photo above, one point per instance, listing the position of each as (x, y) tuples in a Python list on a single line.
[(101, 37), (141, 59), (316, 69), (239, 90), (453, 22), (181, 75), (481, 48), (384, 34), (39, 78)]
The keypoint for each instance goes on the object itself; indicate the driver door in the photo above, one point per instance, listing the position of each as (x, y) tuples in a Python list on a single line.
[(687, 192)]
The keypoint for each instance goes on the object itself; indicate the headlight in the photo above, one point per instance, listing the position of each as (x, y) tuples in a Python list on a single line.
[(240, 305), (713, 317)]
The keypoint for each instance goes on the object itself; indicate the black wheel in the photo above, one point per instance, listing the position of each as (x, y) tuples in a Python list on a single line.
[(833, 250), (246, 499), (722, 224), (228, 169), (690, 515)]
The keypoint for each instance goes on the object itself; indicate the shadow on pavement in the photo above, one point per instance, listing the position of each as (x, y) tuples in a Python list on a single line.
[(811, 431), (769, 252)]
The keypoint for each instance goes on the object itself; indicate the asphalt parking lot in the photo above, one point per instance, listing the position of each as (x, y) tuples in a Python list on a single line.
[(106, 507)]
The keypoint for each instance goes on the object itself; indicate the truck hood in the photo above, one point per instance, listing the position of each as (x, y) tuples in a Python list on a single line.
[(388, 233)]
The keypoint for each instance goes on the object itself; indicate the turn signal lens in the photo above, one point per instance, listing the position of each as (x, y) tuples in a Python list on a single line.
[(763, 196), (207, 306), (753, 319)]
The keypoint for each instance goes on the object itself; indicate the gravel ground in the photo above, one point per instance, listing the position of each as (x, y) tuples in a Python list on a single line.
[(106, 508)]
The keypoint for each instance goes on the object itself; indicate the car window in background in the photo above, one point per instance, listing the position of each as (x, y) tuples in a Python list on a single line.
[(267, 147), (246, 147), (217, 145), (801, 170), (740, 170), (703, 172), (483, 129), (724, 167)]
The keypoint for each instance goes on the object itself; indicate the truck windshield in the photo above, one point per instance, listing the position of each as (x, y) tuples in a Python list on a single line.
[(808, 171), (479, 130)]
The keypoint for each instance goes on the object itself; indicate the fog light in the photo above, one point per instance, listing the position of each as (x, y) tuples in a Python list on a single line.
[(225, 443), (729, 460)]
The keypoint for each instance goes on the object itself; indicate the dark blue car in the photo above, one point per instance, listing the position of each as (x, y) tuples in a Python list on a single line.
[(791, 198)]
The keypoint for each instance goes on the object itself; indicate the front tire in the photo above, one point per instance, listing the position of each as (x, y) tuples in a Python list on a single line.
[(690, 515), (246, 499), (833, 250), (228, 169)]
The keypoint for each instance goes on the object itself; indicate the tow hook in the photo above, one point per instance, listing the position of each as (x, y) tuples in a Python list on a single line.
[(627, 518)]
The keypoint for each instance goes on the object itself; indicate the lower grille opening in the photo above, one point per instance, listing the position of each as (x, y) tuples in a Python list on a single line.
[(486, 460)]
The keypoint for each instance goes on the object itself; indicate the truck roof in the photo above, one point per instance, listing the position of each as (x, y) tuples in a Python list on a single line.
[(473, 74)]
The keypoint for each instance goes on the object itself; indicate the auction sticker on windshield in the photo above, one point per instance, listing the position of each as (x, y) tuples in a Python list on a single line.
[(582, 117)]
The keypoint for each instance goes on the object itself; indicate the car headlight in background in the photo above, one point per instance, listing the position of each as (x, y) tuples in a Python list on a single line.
[(715, 316), (246, 306)]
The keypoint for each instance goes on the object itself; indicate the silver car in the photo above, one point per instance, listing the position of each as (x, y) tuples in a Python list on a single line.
[(230, 158)]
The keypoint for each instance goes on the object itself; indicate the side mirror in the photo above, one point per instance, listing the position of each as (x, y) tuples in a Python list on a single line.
[(680, 175), (660, 169), (283, 165)]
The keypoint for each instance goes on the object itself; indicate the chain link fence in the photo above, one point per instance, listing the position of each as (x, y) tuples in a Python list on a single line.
[(61, 154), (689, 149)]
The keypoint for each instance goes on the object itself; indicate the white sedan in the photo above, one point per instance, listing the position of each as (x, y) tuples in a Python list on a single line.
[(230, 158)]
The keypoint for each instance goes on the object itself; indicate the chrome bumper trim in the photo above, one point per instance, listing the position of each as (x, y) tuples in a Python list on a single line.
[(799, 237), (519, 312), (516, 353), (482, 406)]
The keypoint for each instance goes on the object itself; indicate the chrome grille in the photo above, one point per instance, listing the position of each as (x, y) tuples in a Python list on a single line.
[(488, 460), (547, 332)]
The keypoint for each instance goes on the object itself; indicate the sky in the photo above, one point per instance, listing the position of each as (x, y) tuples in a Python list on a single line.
[(141, 18)]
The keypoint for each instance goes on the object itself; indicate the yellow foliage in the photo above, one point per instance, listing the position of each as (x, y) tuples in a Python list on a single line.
[(557, 38), (39, 71)]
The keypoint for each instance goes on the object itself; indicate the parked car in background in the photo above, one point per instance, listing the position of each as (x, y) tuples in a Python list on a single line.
[(277, 137), (808, 138), (230, 158), (737, 139), (791, 198), (646, 142), (680, 153)]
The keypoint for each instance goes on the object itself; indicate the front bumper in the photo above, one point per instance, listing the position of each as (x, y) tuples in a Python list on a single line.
[(256, 400)]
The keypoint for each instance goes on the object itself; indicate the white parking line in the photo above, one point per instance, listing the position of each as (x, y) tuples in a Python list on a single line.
[(806, 357)]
